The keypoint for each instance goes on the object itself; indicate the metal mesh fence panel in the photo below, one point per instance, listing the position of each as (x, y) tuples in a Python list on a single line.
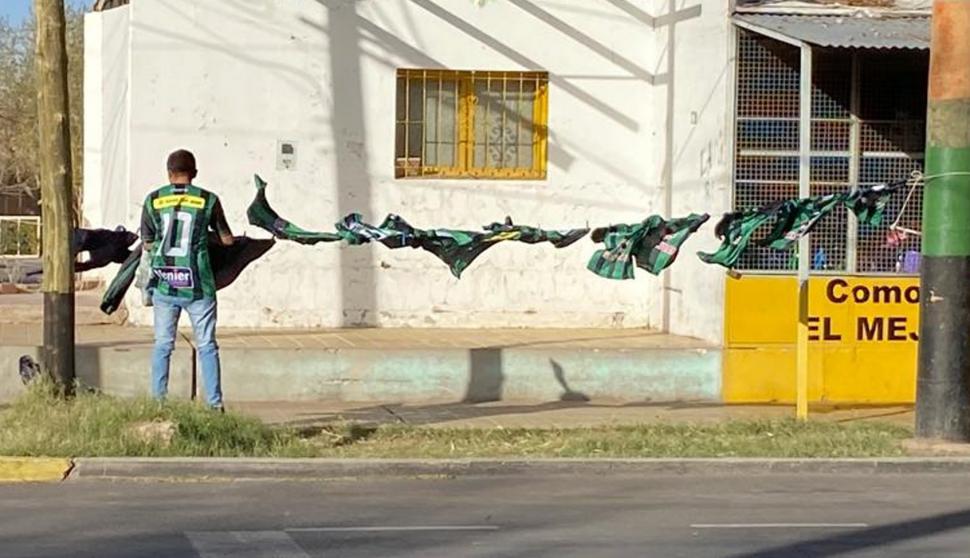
[(767, 134), (867, 128), (892, 137)]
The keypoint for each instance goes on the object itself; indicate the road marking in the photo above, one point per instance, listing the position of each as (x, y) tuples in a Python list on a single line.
[(245, 544), (391, 528), (779, 525)]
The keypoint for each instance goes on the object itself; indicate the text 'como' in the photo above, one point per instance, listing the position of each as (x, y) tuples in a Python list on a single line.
[(839, 291)]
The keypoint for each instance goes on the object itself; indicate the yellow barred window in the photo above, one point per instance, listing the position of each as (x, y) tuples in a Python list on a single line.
[(470, 124)]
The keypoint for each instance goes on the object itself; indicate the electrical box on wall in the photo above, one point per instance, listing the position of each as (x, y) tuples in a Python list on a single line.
[(285, 155)]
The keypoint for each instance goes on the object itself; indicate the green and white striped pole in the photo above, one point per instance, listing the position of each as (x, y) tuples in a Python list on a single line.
[(943, 382)]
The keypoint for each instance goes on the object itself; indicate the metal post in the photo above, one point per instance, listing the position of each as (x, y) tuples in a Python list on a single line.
[(855, 160), (57, 207), (804, 246), (943, 380)]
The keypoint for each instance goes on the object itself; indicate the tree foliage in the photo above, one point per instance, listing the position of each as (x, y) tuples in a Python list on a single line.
[(18, 105)]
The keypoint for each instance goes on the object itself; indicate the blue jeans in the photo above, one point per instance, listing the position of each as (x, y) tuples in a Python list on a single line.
[(202, 313)]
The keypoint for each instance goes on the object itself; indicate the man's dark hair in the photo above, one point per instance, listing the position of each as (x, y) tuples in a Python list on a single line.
[(181, 162)]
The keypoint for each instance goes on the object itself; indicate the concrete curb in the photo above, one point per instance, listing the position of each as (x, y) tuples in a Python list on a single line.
[(313, 469), (34, 469)]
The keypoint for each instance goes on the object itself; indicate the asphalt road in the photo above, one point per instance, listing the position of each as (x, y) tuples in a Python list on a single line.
[(527, 516)]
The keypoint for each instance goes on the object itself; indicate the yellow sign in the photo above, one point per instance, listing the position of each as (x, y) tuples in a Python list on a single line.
[(866, 310), (863, 334)]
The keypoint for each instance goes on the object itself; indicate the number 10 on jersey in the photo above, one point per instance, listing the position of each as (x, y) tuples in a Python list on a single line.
[(175, 244)]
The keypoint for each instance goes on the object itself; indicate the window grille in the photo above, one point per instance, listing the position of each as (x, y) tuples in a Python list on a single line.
[(19, 237), (471, 124)]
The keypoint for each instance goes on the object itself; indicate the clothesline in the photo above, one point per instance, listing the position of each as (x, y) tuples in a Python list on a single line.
[(652, 244)]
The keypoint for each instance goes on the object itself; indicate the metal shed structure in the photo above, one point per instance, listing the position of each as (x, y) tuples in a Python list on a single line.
[(827, 103)]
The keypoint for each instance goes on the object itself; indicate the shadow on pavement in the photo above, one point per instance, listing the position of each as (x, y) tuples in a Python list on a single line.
[(870, 538), (425, 415), (569, 394), (469, 409)]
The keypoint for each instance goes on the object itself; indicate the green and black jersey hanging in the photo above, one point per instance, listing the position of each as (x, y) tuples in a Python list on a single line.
[(652, 244), (355, 231), (227, 263), (263, 216), (735, 230), (116, 290), (459, 248), (793, 219), (796, 218), (869, 204), (456, 248), (103, 247), (533, 235)]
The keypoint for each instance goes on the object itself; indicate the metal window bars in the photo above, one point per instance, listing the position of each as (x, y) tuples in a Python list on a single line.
[(471, 124), (19, 236)]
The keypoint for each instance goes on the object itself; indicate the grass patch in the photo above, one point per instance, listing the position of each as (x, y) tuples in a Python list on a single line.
[(40, 424), (760, 438)]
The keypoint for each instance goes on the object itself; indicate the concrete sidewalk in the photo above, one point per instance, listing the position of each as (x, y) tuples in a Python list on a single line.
[(411, 366), (30, 332), (26, 308)]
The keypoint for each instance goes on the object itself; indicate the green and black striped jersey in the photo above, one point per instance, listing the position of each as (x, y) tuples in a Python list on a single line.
[(176, 219)]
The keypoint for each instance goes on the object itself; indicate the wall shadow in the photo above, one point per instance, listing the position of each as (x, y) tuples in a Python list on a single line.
[(474, 32), (485, 377), (358, 298), (671, 19), (357, 290), (87, 368), (485, 385)]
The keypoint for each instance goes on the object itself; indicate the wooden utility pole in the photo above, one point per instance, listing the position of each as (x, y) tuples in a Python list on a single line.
[(943, 381), (54, 155), (804, 243)]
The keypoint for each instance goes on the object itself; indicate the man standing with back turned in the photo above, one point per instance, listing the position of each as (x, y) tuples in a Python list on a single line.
[(175, 225)]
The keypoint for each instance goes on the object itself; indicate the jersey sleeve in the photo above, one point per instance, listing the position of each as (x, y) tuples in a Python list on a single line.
[(218, 221), (149, 230)]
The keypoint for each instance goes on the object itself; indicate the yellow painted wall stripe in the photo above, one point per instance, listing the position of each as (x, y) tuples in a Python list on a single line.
[(862, 348)]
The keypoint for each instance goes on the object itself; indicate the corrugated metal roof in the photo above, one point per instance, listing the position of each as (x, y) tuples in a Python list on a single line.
[(846, 31), (818, 6)]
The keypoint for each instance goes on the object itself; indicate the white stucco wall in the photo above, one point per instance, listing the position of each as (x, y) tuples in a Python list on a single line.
[(229, 79), (93, 126), (106, 122), (701, 101)]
